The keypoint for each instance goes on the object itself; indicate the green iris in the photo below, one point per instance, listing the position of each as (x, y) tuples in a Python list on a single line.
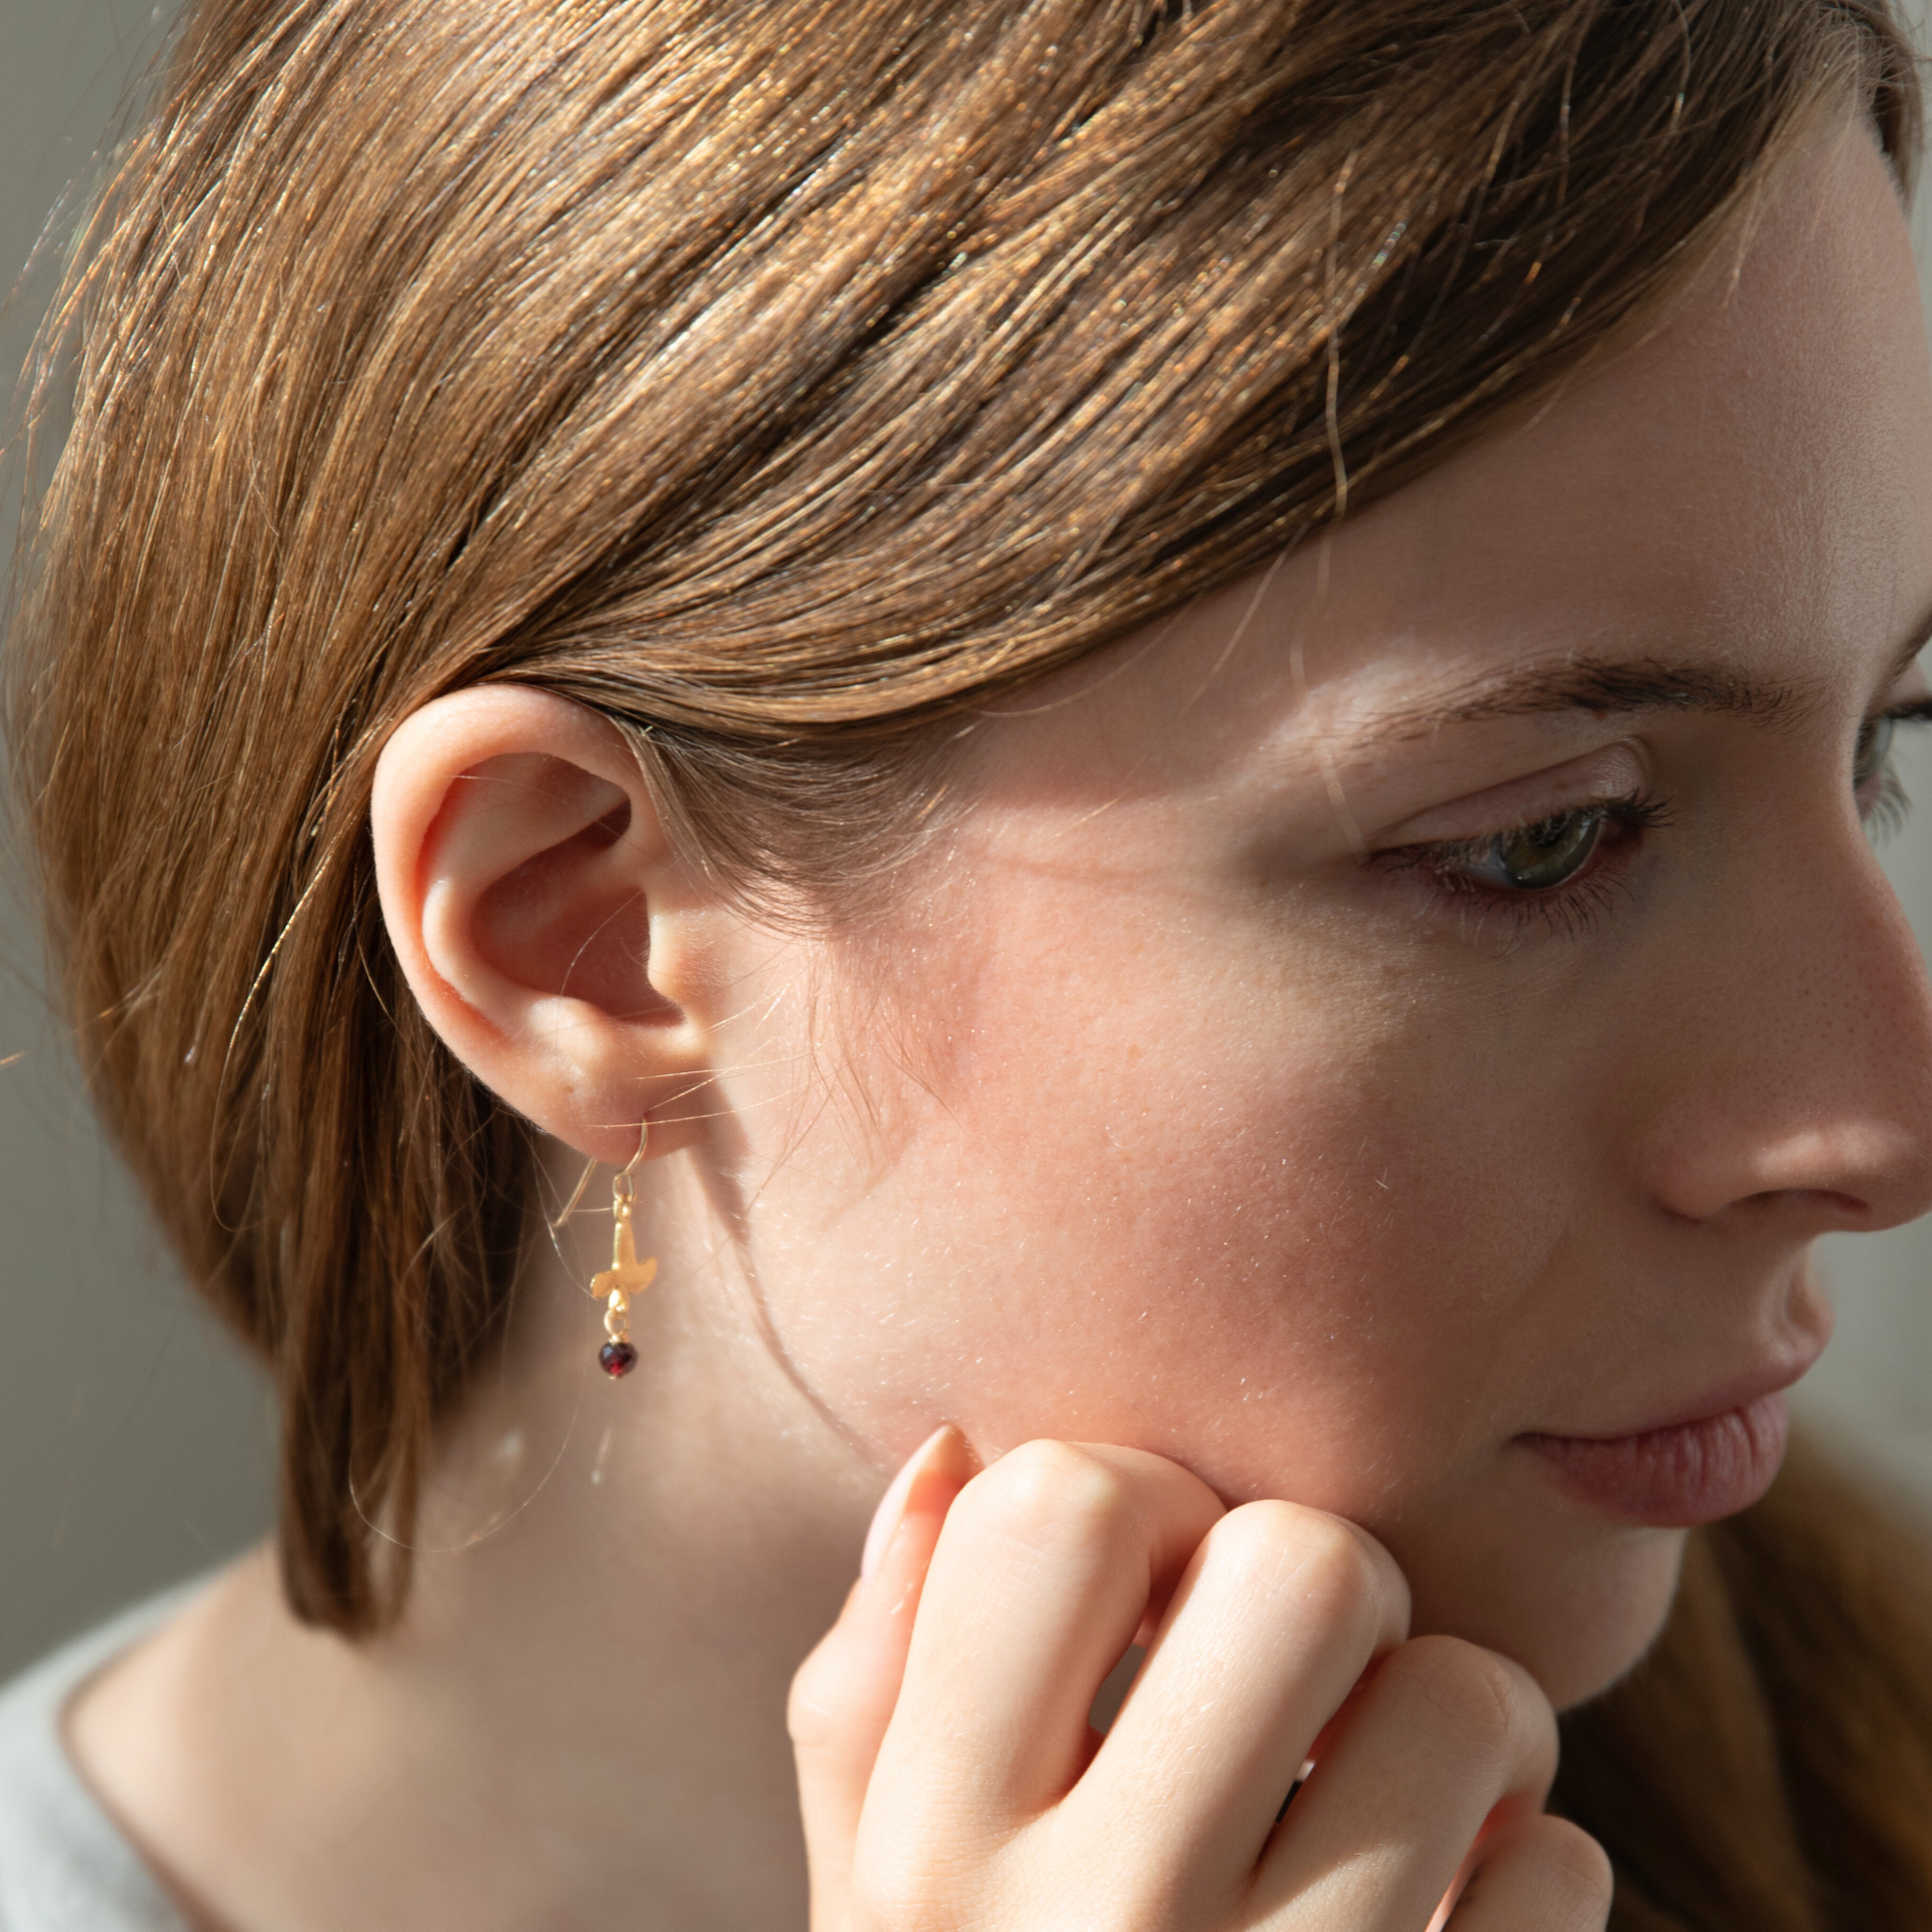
[(1541, 856)]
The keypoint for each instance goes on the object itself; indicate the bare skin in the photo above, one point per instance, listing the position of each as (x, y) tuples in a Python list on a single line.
[(1207, 1097)]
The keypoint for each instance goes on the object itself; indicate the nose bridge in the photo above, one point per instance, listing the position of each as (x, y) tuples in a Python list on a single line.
[(1808, 1065)]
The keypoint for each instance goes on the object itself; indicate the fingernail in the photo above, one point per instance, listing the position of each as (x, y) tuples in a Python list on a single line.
[(943, 1446)]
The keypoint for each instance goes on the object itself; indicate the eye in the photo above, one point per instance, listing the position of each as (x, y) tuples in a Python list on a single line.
[(1560, 871), (1537, 858), (1873, 749)]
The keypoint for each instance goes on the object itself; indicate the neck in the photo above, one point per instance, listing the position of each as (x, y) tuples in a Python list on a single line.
[(580, 1720)]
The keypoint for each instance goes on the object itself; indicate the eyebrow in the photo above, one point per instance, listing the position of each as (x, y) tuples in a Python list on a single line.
[(1615, 687)]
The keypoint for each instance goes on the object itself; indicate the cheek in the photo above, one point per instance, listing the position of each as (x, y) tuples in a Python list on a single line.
[(1303, 1222), (1229, 1198)]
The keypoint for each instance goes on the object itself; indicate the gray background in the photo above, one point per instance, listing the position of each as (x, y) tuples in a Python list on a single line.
[(135, 1446)]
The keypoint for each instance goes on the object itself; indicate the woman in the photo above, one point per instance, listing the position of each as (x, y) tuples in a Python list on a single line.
[(1159, 722)]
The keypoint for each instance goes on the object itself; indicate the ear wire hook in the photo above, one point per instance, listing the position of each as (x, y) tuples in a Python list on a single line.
[(577, 1193), (625, 1171)]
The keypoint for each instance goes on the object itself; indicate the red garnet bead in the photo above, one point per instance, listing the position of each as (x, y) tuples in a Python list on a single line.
[(618, 1358)]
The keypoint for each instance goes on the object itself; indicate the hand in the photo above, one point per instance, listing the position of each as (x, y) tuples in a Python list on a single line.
[(950, 1778)]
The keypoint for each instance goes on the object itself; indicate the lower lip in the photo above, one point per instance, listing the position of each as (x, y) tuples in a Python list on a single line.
[(1675, 1478)]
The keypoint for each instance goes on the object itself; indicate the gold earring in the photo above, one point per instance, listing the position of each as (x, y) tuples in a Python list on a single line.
[(626, 1275)]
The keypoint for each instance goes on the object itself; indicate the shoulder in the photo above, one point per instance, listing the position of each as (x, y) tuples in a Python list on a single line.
[(64, 1866)]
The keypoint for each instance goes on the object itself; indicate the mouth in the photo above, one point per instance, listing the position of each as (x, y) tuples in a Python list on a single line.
[(1679, 1476)]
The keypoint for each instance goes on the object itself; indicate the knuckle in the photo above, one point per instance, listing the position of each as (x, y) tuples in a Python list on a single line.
[(1342, 1573), (1578, 1867), (1048, 1492), (1343, 1564), (1472, 1693), (809, 1705), (886, 1892), (1308, 1551), (903, 1887)]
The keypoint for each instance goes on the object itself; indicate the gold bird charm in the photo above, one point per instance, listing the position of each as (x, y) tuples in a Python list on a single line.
[(625, 1277)]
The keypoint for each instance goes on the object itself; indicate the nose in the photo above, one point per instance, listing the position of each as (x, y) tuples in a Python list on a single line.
[(1799, 1049)]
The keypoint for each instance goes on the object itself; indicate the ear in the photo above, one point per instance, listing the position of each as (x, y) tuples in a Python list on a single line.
[(543, 923)]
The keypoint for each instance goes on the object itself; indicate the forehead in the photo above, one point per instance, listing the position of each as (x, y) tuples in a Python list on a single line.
[(1745, 486), (1749, 483), (1764, 439)]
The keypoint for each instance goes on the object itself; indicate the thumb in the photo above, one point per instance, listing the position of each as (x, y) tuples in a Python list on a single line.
[(843, 1694)]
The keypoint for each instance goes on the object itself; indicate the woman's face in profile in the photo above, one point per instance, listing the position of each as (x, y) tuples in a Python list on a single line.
[(1407, 1018)]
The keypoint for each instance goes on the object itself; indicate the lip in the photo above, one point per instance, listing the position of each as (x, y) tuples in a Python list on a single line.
[(1677, 1476)]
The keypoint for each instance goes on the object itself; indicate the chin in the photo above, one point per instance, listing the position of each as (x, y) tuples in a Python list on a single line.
[(1577, 1612)]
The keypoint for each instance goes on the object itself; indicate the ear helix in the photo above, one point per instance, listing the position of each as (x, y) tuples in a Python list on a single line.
[(626, 1275)]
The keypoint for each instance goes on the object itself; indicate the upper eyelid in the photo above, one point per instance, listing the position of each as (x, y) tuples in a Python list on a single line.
[(1906, 711), (1649, 810), (1601, 775), (1633, 798)]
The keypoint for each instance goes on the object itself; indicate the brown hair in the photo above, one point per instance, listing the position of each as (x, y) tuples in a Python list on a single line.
[(779, 379)]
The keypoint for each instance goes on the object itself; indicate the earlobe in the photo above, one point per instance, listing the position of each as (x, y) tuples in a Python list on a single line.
[(541, 919)]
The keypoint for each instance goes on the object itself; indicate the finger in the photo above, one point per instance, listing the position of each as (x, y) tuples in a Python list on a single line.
[(1046, 1568), (1538, 1875), (1280, 1612), (842, 1694), (1442, 1734)]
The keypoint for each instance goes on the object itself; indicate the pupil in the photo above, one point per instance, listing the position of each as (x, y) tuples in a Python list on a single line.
[(1542, 856)]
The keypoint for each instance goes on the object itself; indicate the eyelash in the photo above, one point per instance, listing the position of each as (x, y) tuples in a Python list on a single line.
[(1891, 807), (1574, 906)]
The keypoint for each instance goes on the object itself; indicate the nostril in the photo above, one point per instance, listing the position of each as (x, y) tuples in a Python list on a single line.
[(1847, 1209), (1848, 1205)]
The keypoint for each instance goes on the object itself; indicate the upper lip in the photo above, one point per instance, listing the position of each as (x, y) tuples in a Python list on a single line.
[(1743, 1389)]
